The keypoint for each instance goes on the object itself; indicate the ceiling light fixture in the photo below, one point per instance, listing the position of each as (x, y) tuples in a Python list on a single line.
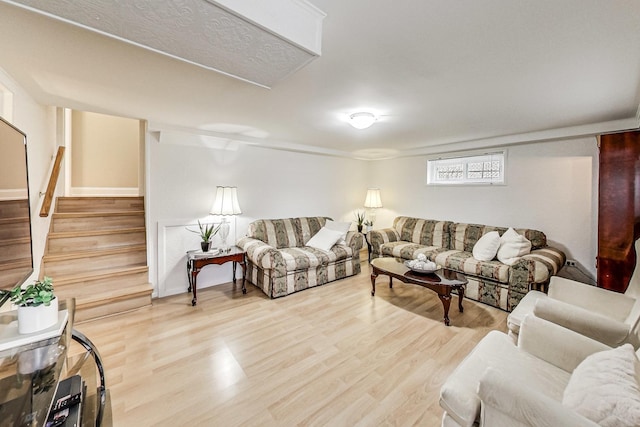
[(362, 120)]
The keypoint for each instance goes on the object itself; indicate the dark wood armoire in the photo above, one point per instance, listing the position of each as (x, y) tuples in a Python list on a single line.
[(618, 209)]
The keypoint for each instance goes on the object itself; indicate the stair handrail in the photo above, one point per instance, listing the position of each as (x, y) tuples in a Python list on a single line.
[(53, 181)]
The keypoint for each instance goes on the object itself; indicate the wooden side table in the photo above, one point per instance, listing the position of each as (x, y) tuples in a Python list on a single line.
[(196, 260)]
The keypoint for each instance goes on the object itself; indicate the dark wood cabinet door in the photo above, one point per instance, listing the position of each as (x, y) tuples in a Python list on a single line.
[(618, 209)]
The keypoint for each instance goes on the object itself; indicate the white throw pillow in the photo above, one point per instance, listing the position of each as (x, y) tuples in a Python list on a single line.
[(339, 226), (604, 388), (324, 239), (512, 247), (487, 246)]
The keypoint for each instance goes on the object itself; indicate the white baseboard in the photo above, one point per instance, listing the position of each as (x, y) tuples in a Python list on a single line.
[(104, 191)]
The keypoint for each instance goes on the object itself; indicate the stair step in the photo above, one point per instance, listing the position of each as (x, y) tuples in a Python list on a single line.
[(99, 204), (66, 222), (14, 228), (14, 208), (119, 276), (13, 271), (15, 249), (74, 241), (115, 302), (76, 263)]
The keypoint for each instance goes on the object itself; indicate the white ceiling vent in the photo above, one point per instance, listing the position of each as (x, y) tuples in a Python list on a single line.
[(261, 42)]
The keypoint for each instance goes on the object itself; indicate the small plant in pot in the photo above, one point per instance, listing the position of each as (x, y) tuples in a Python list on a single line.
[(359, 220), (207, 231), (37, 306)]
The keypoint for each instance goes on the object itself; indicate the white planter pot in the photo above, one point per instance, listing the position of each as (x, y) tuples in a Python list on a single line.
[(34, 319)]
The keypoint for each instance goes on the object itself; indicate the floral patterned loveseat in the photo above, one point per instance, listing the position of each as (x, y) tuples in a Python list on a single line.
[(279, 263), (450, 245)]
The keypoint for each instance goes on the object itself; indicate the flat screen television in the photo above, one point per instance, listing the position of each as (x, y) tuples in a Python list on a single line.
[(16, 254)]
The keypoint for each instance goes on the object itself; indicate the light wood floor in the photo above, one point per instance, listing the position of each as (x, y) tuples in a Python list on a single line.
[(331, 355)]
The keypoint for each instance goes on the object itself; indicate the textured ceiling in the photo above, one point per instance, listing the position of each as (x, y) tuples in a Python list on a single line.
[(197, 31), (442, 75)]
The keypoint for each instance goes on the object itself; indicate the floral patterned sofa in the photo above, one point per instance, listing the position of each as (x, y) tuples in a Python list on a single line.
[(279, 263), (450, 245)]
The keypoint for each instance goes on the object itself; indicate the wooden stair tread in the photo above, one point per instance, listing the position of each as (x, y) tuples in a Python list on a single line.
[(66, 234), (96, 214), (13, 263), (100, 274), (14, 219), (112, 295), (9, 242), (93, 253)]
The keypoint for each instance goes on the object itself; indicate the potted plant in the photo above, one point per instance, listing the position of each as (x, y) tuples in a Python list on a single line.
[(207, 231), (359, 220), (37, 306), (369, 225)]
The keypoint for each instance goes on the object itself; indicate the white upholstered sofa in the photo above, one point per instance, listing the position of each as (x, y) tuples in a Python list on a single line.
[(553, 377)]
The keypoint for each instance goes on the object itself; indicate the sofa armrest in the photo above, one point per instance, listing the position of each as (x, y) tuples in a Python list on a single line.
[(607, 303), (378, 237), (555, 344), (507, 403), (263, 255), (354, 240), (593, 325)]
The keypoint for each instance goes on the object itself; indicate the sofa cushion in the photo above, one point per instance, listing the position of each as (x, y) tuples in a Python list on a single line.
[(465, 262), (512, 247), (339, 226), (287, 232), (303, 258), (604, 388), (465, 236), (407, 250), (325, 238), (423, 231), (487, 246)]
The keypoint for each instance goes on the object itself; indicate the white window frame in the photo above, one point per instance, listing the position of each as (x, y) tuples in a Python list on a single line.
[(461, 172)]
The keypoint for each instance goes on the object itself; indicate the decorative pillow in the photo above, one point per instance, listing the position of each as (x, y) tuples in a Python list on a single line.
[(339, 226), (324, 239), (512, 247), (487, 246), (604, 388)]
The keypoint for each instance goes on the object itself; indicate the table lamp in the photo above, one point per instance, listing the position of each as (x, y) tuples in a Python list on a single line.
[(225, 204)]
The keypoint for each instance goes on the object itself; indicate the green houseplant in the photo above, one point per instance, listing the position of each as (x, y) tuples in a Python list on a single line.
[(359, 220), (37, 306), (207, 231)]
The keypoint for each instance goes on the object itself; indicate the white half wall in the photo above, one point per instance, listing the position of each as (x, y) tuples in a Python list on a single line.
[(551, 187), (183, 171)]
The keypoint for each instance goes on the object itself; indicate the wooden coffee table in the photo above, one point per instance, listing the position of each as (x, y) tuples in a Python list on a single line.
[(442, 281)]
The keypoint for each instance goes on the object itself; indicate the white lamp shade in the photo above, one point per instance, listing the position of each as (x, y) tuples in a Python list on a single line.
[(226, 202), (373, 198), (362, 120)]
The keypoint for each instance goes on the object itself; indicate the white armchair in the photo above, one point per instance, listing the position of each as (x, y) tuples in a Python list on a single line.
[(531, 383), (606, 316)]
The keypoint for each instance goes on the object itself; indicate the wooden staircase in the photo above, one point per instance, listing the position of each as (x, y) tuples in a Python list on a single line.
[(96, 253), (15, 242)]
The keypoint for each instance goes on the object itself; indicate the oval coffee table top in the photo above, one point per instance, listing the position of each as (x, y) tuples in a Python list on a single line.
[(442, 276)]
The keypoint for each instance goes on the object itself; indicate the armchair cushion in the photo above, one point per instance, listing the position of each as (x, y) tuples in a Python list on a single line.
[(506, 403), (604, 388), (586, 322)]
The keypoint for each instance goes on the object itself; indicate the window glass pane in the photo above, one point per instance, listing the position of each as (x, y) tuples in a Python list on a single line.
[(478, 169)]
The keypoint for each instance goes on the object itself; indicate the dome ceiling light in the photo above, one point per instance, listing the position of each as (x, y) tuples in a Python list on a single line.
[(362, 120)]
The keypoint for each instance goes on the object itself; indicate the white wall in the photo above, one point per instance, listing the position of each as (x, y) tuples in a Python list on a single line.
[(39, 124), (182, 176), (551, 186)]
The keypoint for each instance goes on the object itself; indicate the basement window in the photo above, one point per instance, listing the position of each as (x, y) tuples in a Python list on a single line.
[(479, 169)]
